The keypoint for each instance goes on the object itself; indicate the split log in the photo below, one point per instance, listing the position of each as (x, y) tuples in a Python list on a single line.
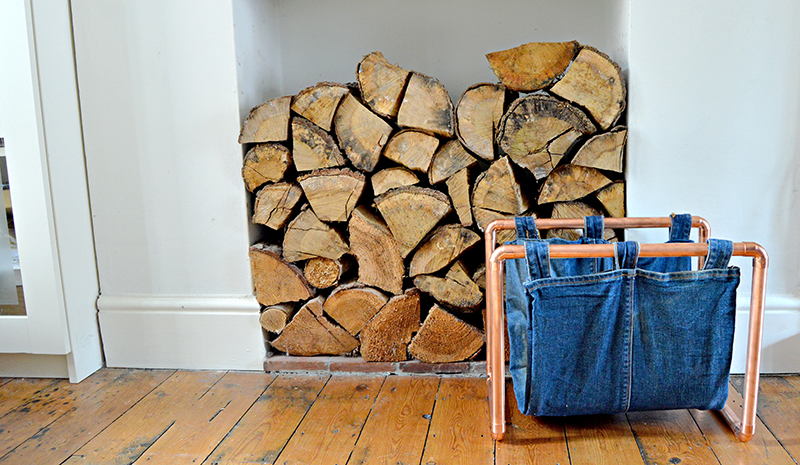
[(458, 189), (497, 189), (479, 276), (308, 237), (362, 134), (275, 203), (484, 216), (323, 273), (538, 130), (595, 83), (312, 147), (478, 114), (532, 66), (353, 305), (449, 160), (411, 212), (390, 178), (333, 193), (571, 182), (613, 199), (444, 338), (603, 151), (381, 84), (275, 317), (446, 244), (318, 103), (265, 163), (574, 210), (276, 281), (385, 338), (379, 261), (308, 334), (412, 149), (427, 106), (455, 289), (267, 122)]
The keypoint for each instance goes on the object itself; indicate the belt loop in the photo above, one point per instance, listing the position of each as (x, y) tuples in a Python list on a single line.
[(526, 227), (537, 255), (627, 255), (593, 227), (681, 227), (719, 254)]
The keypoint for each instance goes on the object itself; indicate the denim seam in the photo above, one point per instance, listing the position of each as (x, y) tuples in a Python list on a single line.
[(731, 272), (629, 361)]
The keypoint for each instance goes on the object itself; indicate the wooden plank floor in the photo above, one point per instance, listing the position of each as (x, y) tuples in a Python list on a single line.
[(177, 417)]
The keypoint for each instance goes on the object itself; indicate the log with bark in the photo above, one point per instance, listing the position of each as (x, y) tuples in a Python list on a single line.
[(613, 198), (265, 163), (446, 244), (411, 212), (361, 133), (449, 160), (267, 122), (313, 148), (603, 151), (333, 193), (310, 333), (323, 273), (538, 131), (381, 84), (478, 114), (308, 237), (571, 182), (455, 289), (275, 317), (318, 103), (386, 336), (444, 338), (458, 186), (390, 178), (426, 106), (275, 280), (532, 66), (412, 149), (380, 263), (352, 305), (498, 189)]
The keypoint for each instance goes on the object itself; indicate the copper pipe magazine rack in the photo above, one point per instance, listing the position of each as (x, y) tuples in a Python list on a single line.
[(743, 426)]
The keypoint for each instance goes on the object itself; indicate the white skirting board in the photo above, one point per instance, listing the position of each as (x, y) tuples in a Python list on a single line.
[(781, 340), (181, 332)]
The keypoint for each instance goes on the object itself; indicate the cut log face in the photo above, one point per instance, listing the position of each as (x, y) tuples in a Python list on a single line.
[(497, 189), (613, 199), (391, 178), (571, 182), (483, 217), (426, 106), (594, 82), (308, 237), (446, 244), (318, 104), (385, 338), (456, 289), (308, 334), (323, 273), (381, 84), (362, 134), (450, 159), (333, 193), (275, 204), (265, 163), (412, 149), (312, 147), (478, 114), (275, 317), (479, 276), (532, 66), (276, 281), (458, 189), (603, 151), (352, 306), (574, 210), (444, 338), (538, 130), (411, 212), (267, 122), (379, 261)]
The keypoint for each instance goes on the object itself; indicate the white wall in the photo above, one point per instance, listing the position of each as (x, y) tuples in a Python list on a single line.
[(714, 113), (158, 96)]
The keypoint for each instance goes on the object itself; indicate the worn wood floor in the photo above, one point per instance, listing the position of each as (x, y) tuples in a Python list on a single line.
[(182, 417)]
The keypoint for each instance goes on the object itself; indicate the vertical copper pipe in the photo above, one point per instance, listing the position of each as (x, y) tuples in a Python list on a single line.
[(494, 341)]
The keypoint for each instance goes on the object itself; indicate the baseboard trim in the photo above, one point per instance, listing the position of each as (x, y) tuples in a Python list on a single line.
[(33, 366), (780, 351), (181, 332)]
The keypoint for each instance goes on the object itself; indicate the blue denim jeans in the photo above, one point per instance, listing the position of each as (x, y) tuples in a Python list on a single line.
[(625, 339), (678, 232)]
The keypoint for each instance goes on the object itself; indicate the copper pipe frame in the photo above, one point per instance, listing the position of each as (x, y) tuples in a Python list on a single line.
[(743, 427)]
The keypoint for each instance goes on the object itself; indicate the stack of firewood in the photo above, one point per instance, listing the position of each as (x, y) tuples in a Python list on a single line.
[(374, 195)]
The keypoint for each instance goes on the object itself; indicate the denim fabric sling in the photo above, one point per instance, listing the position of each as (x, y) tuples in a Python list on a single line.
[(626, 339), (679, 231)]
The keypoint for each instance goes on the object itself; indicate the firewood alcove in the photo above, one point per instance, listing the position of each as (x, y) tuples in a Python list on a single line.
[(373, 195)]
